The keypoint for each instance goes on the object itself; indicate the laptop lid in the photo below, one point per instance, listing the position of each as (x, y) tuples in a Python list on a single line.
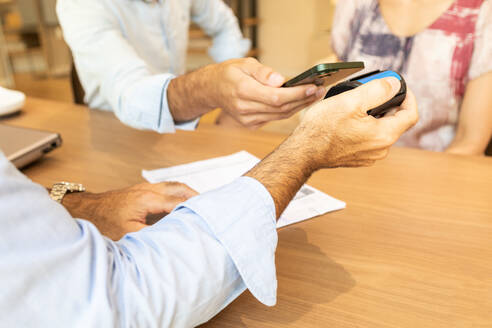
[(22, 146)]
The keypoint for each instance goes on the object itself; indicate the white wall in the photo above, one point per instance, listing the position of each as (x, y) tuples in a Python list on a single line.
[(294, 34)]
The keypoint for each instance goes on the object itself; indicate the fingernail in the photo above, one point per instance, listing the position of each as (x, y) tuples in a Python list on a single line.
[(395, 83), (311, 91), (321, 92), (275, 79)]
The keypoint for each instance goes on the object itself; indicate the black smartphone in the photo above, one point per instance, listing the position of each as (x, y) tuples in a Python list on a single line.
[(325, 74)]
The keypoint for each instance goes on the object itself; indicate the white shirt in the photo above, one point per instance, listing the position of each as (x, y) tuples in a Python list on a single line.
[(56, 271), (127, 51)]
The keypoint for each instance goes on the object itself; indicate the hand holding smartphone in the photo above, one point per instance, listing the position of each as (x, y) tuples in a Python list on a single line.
[(329, 74), (325, 74)]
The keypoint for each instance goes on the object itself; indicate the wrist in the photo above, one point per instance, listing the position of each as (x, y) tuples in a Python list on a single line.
[(304, 144), (284, 171), (80, 205), (295, 150), (188, 95), (72, 203)]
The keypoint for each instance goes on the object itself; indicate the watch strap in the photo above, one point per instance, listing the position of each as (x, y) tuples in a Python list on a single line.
[(60, 189)]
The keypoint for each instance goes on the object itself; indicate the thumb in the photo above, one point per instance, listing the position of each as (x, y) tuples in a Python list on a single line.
[(373, 94), (264, 74)]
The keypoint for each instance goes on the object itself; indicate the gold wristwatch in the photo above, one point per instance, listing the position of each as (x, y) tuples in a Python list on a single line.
[(60, 189)]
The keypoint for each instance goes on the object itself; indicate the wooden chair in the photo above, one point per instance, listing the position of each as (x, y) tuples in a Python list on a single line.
[(488, 152), (77, 89)]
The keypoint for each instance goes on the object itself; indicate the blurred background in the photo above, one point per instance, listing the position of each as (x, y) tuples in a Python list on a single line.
[(288, 35)]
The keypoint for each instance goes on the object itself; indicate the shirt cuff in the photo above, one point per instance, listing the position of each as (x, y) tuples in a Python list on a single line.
[(241, 215), (166, 121)]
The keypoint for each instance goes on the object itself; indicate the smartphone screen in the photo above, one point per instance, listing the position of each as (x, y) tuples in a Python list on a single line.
[(325, 74)]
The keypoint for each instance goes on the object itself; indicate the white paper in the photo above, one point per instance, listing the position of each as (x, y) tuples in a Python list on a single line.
[(213, 173)]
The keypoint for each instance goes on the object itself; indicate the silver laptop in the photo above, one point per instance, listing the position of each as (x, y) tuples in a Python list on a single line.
[(23, 146)]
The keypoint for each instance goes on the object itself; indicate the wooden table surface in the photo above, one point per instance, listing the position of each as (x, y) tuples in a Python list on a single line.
[(413, 248)]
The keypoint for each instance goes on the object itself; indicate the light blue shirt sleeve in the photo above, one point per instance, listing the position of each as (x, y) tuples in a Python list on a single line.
[(113, 69), (180, 272)]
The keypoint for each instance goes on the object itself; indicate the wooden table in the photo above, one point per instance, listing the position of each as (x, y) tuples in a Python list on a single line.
[(412, 249)]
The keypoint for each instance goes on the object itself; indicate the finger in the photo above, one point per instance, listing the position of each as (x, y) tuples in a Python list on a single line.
[(166, 204), (263, 74), (226, 119), (169, 195), (301, 104), (370, 95), (296, 106), (235, 121), (253, 90), (257, 126), (169, 188), (403, 119), (178, 189), (153, 202), (150, 202), (255, 108), (254, 121), (174, 201)]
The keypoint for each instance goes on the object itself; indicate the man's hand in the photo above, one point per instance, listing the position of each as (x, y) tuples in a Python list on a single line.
[(340, 132), (247, 90), (336, 132), (116, 213)]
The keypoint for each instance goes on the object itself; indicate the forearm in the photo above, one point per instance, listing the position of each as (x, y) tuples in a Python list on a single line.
[(467, 146), (186, 262), (283, 172), (474, 128), (89, 206), (187, 96), (80, 205), (174, 258), (473, 132), (196, 261)]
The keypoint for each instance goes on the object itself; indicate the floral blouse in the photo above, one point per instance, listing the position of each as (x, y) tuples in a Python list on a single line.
[(436, 63)]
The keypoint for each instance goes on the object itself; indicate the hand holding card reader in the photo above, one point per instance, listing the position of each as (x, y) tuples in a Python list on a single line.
[(379, 111)]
